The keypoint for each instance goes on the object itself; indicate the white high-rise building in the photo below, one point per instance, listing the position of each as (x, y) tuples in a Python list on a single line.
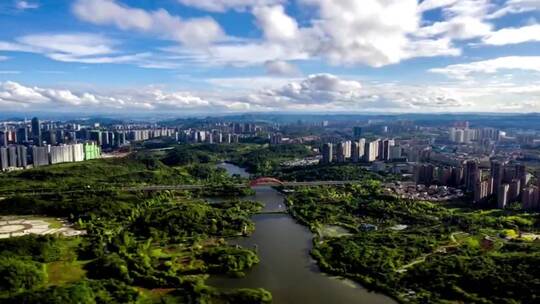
[(371, 151)]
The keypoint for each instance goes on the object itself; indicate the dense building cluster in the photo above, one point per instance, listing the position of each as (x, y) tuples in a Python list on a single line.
[(486, 161), (504, 182), (360, 151), (38, 144)]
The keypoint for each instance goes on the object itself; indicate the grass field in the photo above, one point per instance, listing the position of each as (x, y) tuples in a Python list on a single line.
[(62, 272)]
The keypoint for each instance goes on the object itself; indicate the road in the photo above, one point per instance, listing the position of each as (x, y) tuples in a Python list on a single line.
[(191, 187)]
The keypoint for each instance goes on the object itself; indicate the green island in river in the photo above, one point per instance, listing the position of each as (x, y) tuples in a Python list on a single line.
[(162, 246)]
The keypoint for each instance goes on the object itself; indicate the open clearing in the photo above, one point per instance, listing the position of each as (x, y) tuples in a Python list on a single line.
[(12, 226)]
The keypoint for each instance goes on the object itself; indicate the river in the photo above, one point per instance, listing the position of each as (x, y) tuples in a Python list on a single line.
[(286, 268)]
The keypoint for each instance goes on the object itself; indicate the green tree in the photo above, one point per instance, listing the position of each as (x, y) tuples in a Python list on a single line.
[(18, 275)]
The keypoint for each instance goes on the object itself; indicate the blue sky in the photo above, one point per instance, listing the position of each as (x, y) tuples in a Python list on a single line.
[(213, 56)]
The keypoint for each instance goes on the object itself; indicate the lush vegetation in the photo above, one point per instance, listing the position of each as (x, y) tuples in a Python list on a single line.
[(421, 252), (324, 172), (139, 169), (266, 160), (140, 247)]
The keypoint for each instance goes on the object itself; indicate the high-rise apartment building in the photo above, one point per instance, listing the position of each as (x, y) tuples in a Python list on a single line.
[(497, 174), (36, 131), (355, 151), (502, 196), (371, 151), (387, 144), (327, 153), (340, 152), (4, 161), (22, 135), (472, 174), (530, 198), (482, 190)]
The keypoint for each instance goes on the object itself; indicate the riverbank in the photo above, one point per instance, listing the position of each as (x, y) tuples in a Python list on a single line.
[(438, 254), (286, 268)]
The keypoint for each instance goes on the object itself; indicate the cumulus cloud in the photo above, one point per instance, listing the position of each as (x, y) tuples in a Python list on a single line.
[(314, 93), (224, 5), (367, 32), (514, 35), (491, 66), (462, 27), (15, 93), (463, 19), (325, 92), (14, 96), (12, 92), (370, 32), (328, 92), (276, 24), (317, 89), (192, 32), (341, 32), (280, 68)]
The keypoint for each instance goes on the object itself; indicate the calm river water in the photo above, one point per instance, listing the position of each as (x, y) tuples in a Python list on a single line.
[(286, 268)]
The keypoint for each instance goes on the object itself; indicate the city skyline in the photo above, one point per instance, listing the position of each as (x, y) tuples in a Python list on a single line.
[(182, 57)]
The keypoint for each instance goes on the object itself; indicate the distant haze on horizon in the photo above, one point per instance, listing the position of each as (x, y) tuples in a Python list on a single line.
[(217, 57)]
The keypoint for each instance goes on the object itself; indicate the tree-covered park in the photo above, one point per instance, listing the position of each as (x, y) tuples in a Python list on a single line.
[(140, 247), (423, 252)]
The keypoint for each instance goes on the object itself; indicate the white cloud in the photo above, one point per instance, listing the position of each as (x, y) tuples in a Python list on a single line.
[(3, 58), (428, 5), (315, 93), (26, 5), (516, 7), (239, 54), (76, 44), (83, 48), (224, 5), (318, 89), (73, 45), (4, 72), (15, 93), (491, 66), (431, 48), (367, 32), (325, 92), (192, 32), (462, 27), (343, 32), (513, 35), (135, 59), (280, 68), (276, 24), (462, 19), (13, 96)]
